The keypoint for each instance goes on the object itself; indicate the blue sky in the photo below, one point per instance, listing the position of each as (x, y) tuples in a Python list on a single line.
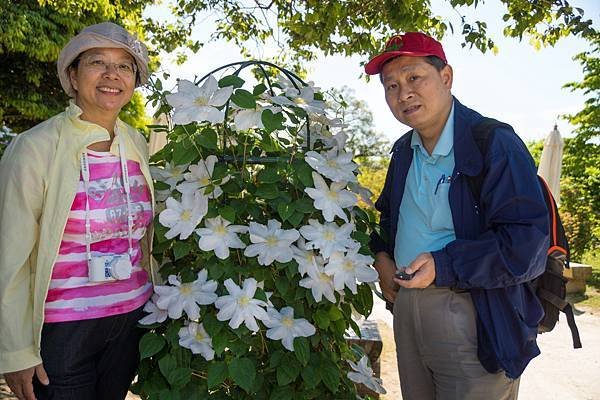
[(519, 85)]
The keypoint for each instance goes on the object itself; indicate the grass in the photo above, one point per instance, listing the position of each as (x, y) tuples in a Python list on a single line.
[(591, 297)]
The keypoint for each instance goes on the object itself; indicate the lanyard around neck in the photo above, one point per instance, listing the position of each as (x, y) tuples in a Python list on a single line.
[(85, 173)]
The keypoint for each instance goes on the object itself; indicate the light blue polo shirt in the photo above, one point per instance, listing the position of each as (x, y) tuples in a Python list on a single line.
[(424, 220)]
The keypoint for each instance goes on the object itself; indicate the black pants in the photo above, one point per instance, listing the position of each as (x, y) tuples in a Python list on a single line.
[(94, 359)]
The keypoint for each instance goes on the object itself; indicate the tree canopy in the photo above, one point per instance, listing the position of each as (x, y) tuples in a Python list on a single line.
[(32, 32)]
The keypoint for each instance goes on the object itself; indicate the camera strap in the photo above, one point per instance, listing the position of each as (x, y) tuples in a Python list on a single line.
[(85, 173)]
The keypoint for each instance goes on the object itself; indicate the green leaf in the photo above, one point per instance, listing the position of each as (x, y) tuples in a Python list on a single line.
[(335, 313), (296, 219), (311, 376), (361, 237), (268, 191), (276, 358), (150, 344), (268, 175), (282, 393), (302, 350), (244, 99), (364, 299), (228, 213), (208, 139), (304, 174), (321, 318), (183, 154), (181, 249), (282, 284), (167, 364), (231, 80), (211, 325), (217, 373), (259, 89), (272, 122), (304, 205), (167, 394), (330, 374), (219, 343), (289, 371), (285, 210), (179, 377), (243, 372)]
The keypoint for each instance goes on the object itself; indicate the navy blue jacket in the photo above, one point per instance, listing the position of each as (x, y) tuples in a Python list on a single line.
[(501, 239)]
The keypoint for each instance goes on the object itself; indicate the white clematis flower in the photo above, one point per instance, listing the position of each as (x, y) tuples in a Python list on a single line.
[(155, 314), (241, 306), (171, 174), (271, 243), (219, 235), (284, 327), (331, 200), (349, 268), (195, 338), (193, 103), (183, 217), (200, 177), (320, 284), (306, 258), (303, 98), (186, 296), (335, 165), (364, 374), (328, 237), (252, 118)]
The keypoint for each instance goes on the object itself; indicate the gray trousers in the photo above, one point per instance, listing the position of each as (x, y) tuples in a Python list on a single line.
[(436, 345)]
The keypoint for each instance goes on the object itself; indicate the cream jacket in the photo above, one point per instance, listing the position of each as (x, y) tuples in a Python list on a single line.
[(39, 173)]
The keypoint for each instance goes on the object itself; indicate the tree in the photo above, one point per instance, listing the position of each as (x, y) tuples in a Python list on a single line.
[(581, 163), (32, 35), (34, 31)]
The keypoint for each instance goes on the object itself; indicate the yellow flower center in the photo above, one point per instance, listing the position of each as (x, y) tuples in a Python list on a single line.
[(299, 101), (220, 230), (348, 265), (287, 321), (243, 301), (332, 163), (186, 215), (329, 236), (201, 101), (272, 241), (199, 336), (204, 181), (323, 277), (185, 289), (332, 195)]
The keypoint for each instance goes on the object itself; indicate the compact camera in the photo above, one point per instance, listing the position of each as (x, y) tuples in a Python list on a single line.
[(109, 267)]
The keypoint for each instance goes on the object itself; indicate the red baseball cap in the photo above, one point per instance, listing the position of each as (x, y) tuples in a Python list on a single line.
[(412, 44)]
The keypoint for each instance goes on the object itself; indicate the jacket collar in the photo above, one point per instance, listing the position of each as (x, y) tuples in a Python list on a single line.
[(467, 157)]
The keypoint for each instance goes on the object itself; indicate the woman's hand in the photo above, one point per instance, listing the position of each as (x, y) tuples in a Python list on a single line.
[(386, 267), (21, 382)]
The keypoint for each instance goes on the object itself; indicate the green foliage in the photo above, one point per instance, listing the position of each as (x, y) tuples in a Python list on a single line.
[(580, 190), (535, 148), (264, 176), (32, 35)]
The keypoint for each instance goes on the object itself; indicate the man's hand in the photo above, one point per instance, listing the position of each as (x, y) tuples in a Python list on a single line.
[(21, 382), (386, 267), (424, 269)]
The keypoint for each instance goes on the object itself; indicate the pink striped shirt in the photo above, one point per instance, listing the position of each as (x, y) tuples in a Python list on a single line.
[(71, 297)]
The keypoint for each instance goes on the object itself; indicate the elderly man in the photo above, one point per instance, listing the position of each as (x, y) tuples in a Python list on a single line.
[(456, 267)]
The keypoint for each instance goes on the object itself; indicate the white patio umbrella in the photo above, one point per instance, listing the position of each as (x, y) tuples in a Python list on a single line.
[(551, 162)]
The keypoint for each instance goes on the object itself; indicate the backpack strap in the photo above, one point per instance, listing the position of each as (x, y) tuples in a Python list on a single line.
[(482, 132)]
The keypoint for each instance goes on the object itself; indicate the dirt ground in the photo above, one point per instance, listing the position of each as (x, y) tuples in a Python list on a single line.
[(559, 373)]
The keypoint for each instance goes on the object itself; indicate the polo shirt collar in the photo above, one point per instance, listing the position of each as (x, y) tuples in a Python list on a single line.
[(445, 142)]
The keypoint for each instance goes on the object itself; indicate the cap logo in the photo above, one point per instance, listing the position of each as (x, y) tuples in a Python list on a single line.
[(135, 45), (394, 44)]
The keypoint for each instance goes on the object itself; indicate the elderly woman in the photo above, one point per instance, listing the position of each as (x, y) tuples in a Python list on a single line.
[(75, 214)]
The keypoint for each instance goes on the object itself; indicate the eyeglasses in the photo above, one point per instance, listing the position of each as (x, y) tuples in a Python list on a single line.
[(123, 69)]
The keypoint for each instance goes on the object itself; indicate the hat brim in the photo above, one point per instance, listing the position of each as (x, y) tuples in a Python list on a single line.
[(89, 40), (375, 65)]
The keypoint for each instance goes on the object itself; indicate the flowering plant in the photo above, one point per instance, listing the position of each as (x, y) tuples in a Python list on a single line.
[(262, 247)]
